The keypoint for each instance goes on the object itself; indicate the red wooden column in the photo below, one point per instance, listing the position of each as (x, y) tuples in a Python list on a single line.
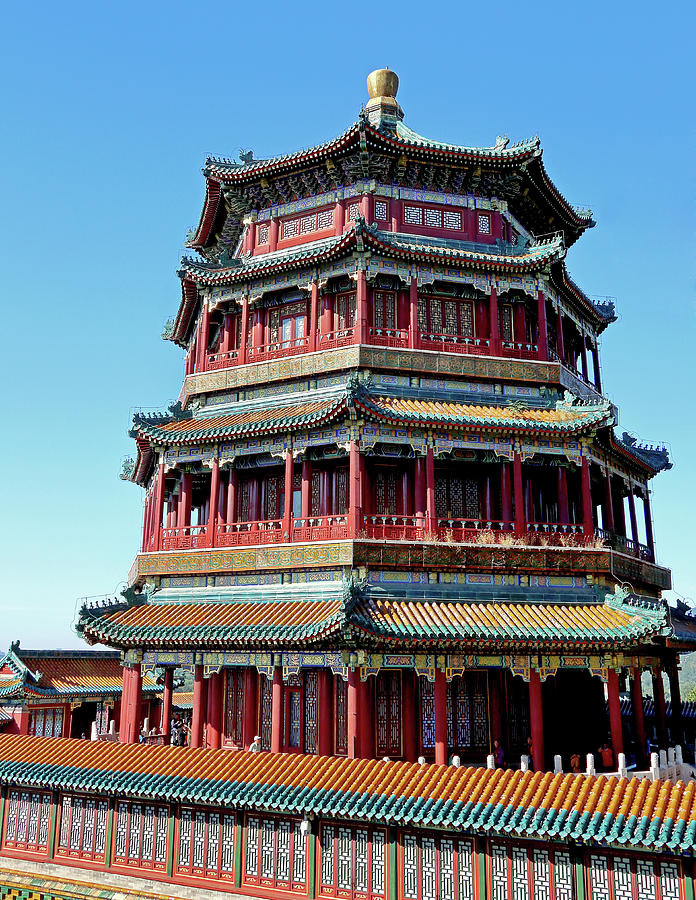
[(232, 489), (409, 722), (413, 337), (560, 340), (440, 718), (595, 366), (199, 706), (632, 515), (660, 708), (419, 492), (677, 724), (520, 518), (326, 322), (614, 703), (648, 524), (307, 489), (586, 490), (277, 711), (166, 726), (638, 715), (536, 721), (214, 503), (131, 704), (226, 343), (250, 722), (313, 317), (430, 514), (287, 512), (339, 218), (244, 332), (273, 235), (257, 337), (325, 713), (123, 717), (361, 307), (583, 357), (159, 506), (563, 509), (494, 328), (352, 725), (608, 521), (202, 343), (366, 731), (542, 327), (505, 492), (185, 499), (214, 712), (356, 467)]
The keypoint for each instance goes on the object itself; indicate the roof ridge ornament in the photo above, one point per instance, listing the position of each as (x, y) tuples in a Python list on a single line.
[(382, 110)]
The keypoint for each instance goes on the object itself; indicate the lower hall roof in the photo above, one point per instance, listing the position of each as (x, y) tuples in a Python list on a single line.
[(593, 809)]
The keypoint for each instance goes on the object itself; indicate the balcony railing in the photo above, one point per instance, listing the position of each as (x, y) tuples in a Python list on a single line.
[(187, 537), (465, 530), (394, 528), (388, 337), (454, 343), (625, 545), (222, 360), (320, 528), (341, 338), (278, 349), (233, 534), (519, 350)]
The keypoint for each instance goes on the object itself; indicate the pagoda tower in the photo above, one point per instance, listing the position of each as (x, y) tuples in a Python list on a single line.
[(390, 515)]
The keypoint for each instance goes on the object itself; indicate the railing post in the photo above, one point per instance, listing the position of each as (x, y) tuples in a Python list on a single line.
[(287, 512), (355, 490), (214, 503)]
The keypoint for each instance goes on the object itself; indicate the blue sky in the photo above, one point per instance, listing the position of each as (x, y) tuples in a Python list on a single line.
[(108, 112)]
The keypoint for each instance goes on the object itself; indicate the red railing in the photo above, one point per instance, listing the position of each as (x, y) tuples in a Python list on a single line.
[(394, 528), (554, 528), (342, 338), (320, 528), (454, 343), (264, 532), (518, 350), (470, 530), (388, 337), (222, 360), (625, 545), (187, 537), (278, 349)]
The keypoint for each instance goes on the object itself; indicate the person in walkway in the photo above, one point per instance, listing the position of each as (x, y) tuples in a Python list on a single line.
[(575, 763), (606, 754), (499, 755)]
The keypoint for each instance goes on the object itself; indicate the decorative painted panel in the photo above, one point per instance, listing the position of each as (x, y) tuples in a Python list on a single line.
[(82, 832), (142, 830), (47, 722), (275, 853), (353, 863), (26, 823), (435, 867)]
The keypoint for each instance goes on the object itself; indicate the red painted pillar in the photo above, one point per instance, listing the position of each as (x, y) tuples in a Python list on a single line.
[(214, 504), (419, 492), (129, 732), (325, 714), (124, 729), (277, 711), (159, 506), (232, 490), (660, 707), (287, 512), (614, 703), (244, 332), (595, 366), (520, 518), (632, 515), (352, 713), (185, 499), (648, 524), (214, 712), (542, 328), (536, 721), (339, 218), (251, 706), (608, 520), (307, 489), (273, 235), (563, 509), (355, 470), (560, 340), (413, 335), (583, 357), (505, 492), (409, 720), (361, 306), (366, 732), (313, 316), (199, 707), (431, 516), (257, 337), (166, 726), (494, 320), (440, 718), (326, 323), (586, 487), (638, 716), (203, 338)]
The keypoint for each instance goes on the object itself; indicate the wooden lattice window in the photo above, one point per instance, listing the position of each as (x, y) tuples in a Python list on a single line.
[(450, 316), (436, 866), (352, 862), (467, 712), (273, 325), (274, 497), (427, 713), (266, 712), (82, 831), (311, 711), (341, 718), (484, 223), (27, 819), (244, 500), (275, 853), (234, 706), (341, 492), (142, 835), (206, 844), (385, 492), (344, 311), (506, 330), (388, 692), (384, 304), (46, 722), (316, 494), (456, 498)]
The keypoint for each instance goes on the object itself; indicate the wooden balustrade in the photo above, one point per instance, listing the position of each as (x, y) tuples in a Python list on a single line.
[(268, 531), (454, 343), (388, 337), (320, 528), (187, 537)]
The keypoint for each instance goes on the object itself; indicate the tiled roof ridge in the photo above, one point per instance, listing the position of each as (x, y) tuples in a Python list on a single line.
[(589, 809), (655, 456)]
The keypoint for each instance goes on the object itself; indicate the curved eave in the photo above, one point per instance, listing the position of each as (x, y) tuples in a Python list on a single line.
[(562, 281), (571, 217), (211, 206), (623, 451), (187, 307)]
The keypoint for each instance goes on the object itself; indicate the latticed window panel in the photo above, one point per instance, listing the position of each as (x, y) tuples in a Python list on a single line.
[(294, 701), (46, 723), (518, 713), (341, 491), (484, 223), (422, 313), (244, 500), (345, 311), (505, 314), (82, 831), (316, 494), (432, 218), (466, 319), (467, 713), (311, 711), (518, 873), (436, 868), (325, 219), (384, 304), (381, 210), (262, 235), (471, 498), (275, 853), (385, 492), (308, 224), (266, 712), (290, 228), (234, 706), (353, 863), (341, 707), (413, 215), (142, 831), (206, 844), (26, 824), (427, 710), (436, 315), (275, 489), (388, 694), (563, 883), (273, 325), (451, 219), (352, 212)]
